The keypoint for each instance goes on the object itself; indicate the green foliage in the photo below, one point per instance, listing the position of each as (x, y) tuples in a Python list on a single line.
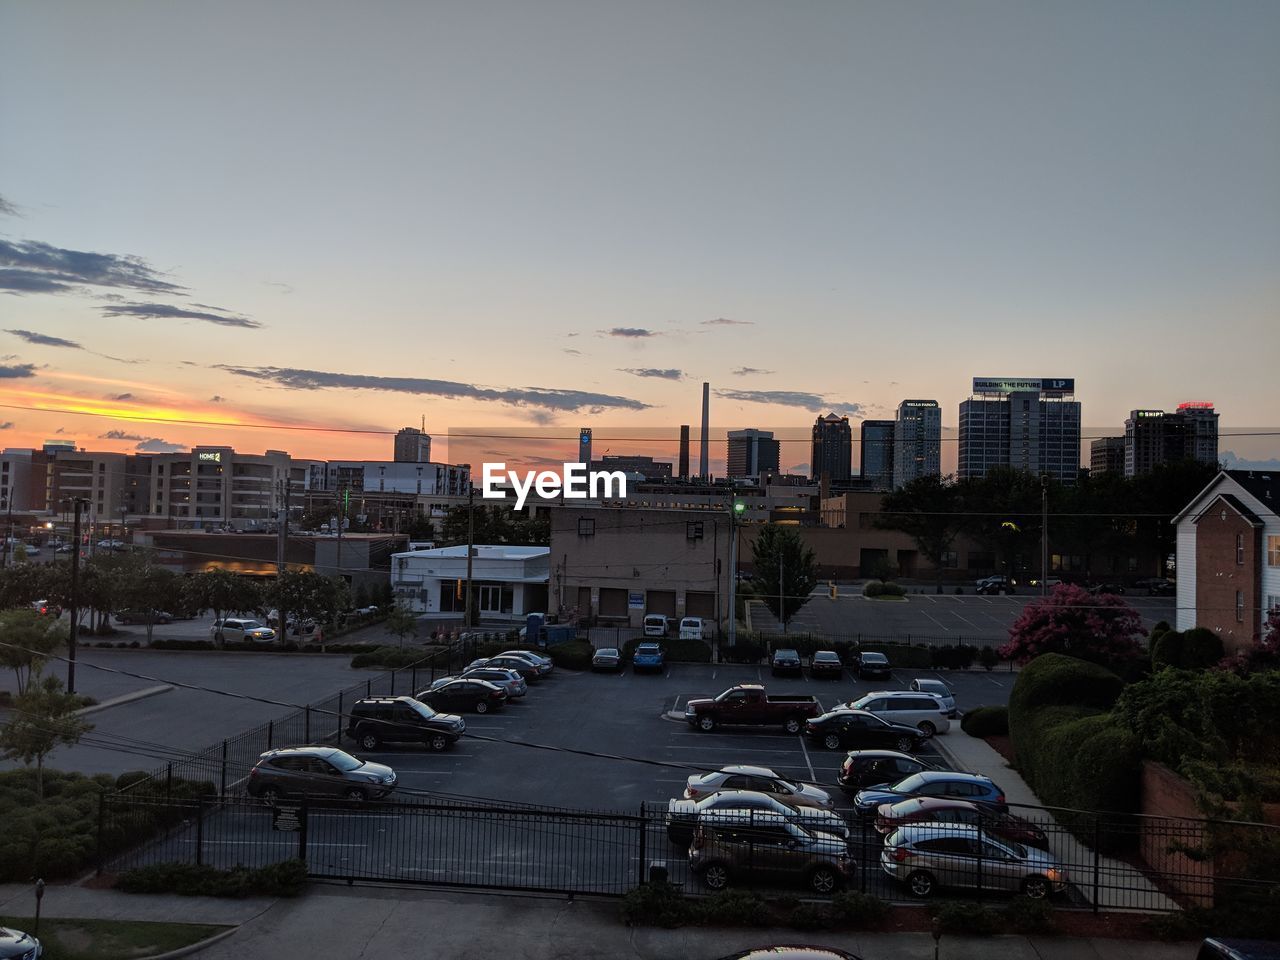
[(43, 718), (401, 622), (734, 908), (988, 658), (494, 524), (33, 638), (389, 658), (972, 919), (928, 511), (873, 589), (858, 911), (1197, 649), (656, 905), (780, 552), (811, 916), (1055, 679), (1029, 917), (891, 589), (901, 656), (221, 591), (948, 657), (575, 655), (744, 650), (284, 879), (986, 722)]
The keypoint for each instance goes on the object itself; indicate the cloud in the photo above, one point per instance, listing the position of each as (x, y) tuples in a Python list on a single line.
[(217, 399), (793, 398), (280, 284), (572, 352), (751, 371), (726, 322), (120, 435), (8, 424), (120, 396), (29, 281), (156, 445), (544, 397), (15, 371), (798, 468), (34, 261), (634, 333), (44, 340), (164, 311), (653, 372), (1231, 461), (7, 209)]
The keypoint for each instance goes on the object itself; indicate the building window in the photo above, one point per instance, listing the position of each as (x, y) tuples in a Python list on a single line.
[(1273, 603), (693, 530), (1273, 551), (1239, 549), (586, 527), (1239, 606)]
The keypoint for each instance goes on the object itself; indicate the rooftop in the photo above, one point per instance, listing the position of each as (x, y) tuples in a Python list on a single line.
[(483, 551)]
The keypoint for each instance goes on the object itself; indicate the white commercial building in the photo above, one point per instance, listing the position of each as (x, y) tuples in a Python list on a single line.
[(507, 582)]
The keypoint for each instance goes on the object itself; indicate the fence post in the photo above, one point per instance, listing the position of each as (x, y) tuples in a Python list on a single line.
[(306, 723), (1097, 863), (979, 857), (271, 724), (303, 809), (393, 683), (644, 853), (368, 687), (102, 816), (340, 693), (168, 781), (200, 832), (222, 792), (413, 680)]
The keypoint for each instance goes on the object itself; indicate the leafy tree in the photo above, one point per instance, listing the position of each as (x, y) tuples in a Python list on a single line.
[(23, 584), (401, 622), (1102, 629), (777, 552), (495, 524), (1002, 513), (306, 595), (928, 511), (1261, 656), (142, 584), (421, 528), (221, 591), (43, 718), (29, 638)]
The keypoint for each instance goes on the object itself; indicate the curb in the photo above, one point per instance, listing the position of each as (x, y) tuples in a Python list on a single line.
[(192, 947), (123, 699)]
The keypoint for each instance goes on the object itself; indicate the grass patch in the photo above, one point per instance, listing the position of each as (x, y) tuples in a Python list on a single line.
[(111, 939)]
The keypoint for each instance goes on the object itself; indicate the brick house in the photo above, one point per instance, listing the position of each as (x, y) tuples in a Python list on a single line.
[(1229, 557)]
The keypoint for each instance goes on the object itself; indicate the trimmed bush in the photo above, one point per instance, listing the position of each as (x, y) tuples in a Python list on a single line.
[(284, 879), (901, 655), (986, 722), (1201, 648), (743, 651), (1167, 649), (858, 911), (892, 589), (873, 588), (1026, 916), (656, 905), (972, 919), (734, 908), (948, 657), (988, 658), (810, 916), (575, 655)]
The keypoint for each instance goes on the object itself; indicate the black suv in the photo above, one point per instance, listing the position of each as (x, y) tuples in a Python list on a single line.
[(402, 720), (870, 768), (786, 662)]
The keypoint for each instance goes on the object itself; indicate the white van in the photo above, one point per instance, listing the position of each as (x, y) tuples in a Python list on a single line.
[(656, 625), (924, 711), (691, 628)]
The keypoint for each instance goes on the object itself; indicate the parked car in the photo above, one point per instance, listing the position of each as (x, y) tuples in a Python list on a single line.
[(1007, 826), (656, 625), (239, 630), (691, 628), (873, 665), (759, 779), (748, 704), (463, 693), (845, 728), (683, 815), (379, 720), (530, 655), (142, 616), (607, 658), (508, 680), (928, 856), (826, 663), (931, 783), (16, 945), (46, 609), (64, 548), (111, 544), (939, 690), (297, 626), (1108, 586), (1049, 582), (871, 768), (530, 671), (995, 585), (648, 656), (789, 951), (734, 845), (785, 662), (1157, 587), (318, 772), (1223, 948), (31, 549), (924, 711)]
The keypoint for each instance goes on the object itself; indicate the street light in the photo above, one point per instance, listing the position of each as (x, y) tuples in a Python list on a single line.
[(735, 511), (76, 503)]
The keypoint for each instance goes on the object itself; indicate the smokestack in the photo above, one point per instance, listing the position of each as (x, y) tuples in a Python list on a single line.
[(684, 452), (704, 470)]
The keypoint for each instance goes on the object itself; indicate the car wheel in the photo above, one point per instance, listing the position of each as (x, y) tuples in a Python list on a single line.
[(792, 725), (1036, 888), (369, 741), (482, 707), (270, 796), (438, 742), (927, 728), (354, 795), (706, 724), (921, 884), (715, 877), (905, 744), (823, 880), (831, 741)]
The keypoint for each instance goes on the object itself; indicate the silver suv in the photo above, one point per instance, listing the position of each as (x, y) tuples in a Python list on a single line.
[(740, 845), (239, 630), (318, 772), (923, 710), (926, 856)]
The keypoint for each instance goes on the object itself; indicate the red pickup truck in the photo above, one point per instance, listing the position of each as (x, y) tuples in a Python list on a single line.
[(747, 704)]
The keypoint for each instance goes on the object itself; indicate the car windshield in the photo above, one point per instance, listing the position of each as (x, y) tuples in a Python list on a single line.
[(423, 709), (345, 761), (932, 686), (908, 784), (606, 652), (788, 654), (874, 658), (647, 648), (825, 656), (250, 624)]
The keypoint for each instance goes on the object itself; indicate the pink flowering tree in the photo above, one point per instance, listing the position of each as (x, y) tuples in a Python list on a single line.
[(1263, 655), (1100, 628)]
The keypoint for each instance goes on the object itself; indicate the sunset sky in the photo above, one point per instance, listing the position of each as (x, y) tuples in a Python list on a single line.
[(537, 214)]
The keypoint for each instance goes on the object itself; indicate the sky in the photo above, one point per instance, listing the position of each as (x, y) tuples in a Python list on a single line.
[(549, 214)]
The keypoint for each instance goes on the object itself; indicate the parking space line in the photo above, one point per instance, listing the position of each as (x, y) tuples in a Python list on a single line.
[(812, 775), (713, 749)]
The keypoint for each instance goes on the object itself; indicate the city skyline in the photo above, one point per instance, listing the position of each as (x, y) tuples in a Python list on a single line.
[(335, 242)]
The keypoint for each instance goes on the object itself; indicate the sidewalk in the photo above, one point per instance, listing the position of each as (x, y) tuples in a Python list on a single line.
[(1120, 886), (333, 920)]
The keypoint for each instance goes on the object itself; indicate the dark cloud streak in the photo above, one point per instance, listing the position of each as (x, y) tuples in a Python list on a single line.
[(653, 372), (164, 311)]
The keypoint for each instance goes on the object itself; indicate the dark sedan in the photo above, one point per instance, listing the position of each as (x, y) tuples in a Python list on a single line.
[(480, 696), (859, 728), (890, 816), (870, 768), (873, 664), (786, 662), (942, 783), (826, 663), (530, 671)]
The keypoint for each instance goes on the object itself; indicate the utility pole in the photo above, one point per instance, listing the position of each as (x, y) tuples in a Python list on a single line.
[(282, 534), (1044, 535), (340, 520), (735, 508), (76, 503), (8, 535), (471, 546), (782, 595)]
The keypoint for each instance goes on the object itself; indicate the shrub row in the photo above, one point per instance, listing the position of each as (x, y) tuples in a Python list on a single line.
[(879, 588), (284, 879), (1022, 915), (986, 722), (663, 905), (207, 646), (389, 658)]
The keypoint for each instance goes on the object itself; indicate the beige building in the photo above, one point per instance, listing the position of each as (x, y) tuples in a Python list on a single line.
[(219, 487)]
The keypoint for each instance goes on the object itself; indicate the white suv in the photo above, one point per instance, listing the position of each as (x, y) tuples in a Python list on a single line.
[(924, 711), (238, 630)]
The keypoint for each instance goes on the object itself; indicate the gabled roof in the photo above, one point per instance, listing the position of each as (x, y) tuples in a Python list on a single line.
[(1234, 503), (1256, 483), (1262, 484)]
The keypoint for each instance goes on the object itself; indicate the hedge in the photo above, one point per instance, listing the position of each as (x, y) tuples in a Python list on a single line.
[(1197, 649), (284, 879), (389, 658), (574, 655), (986, 722)]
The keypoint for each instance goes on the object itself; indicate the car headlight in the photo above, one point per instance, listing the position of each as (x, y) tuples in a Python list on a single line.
[(1054, 875)]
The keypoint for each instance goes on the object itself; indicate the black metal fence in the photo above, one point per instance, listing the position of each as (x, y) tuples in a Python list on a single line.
[(1159, 864)]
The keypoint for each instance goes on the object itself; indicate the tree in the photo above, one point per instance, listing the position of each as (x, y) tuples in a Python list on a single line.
[(221, 591), (1003, 514), (23, 584), (401, 622), (1261, 656), (928, 511), (43, 718), (28, 639), (421, 528), (783, 564), (1100, 628), (142, 584), (306, 595)]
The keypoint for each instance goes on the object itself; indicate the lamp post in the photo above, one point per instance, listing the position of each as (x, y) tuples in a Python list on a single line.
[(8, 533), (74, 598), (735, 510)]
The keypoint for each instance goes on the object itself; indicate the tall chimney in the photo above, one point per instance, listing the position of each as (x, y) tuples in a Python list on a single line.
[(704, 468), (684, 452)]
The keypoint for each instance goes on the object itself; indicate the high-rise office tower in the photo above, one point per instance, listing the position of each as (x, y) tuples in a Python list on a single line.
[(1153, 437), (684, 452), (584, 446), (917, 441), (751, 453), (412, 446), (1106, 455), (832, 450), (876, 447), (704, 464), (1030, 425)]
